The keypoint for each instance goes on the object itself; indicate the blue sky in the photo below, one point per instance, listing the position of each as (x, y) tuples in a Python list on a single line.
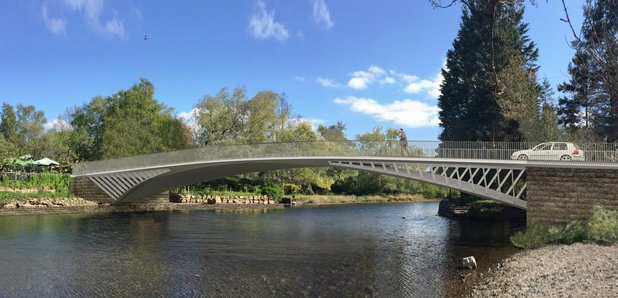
[(365, 63)]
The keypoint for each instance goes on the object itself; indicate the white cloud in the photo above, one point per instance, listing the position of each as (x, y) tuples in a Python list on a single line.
[(115, 26), (189, 119), (56, 25), (358, 83), (57, 124), (262, 24), (91, 11), (299, 78), (388, 81), (430, 87), (362, 79), (327, 83), (321, 14), (406, 112)]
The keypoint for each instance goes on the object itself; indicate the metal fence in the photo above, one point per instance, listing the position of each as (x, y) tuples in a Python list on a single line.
[(597, 153)]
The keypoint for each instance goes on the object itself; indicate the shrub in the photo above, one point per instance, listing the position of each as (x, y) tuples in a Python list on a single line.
[(272, 191), (535, 236), (603, 225), (574, 232)]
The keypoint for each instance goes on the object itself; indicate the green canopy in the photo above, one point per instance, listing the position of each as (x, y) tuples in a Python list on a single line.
[(46, 162), (25, 163)]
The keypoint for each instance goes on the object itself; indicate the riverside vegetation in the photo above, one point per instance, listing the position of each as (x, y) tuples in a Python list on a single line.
[(601, 227)]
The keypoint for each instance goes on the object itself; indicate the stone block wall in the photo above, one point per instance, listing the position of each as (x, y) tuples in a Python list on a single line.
[(558, 196), (86, 189)]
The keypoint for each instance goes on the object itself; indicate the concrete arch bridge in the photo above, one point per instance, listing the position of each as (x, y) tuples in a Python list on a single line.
[(484, 169)]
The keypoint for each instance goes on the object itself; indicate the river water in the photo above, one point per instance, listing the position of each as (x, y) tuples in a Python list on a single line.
[(394, 250)]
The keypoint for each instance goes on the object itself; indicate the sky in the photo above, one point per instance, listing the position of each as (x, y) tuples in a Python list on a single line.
[(364, 63)]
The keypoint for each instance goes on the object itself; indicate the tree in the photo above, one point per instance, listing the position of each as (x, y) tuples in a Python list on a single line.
[(220, 117), (233, 118), (266, 113), (490, 74), (30, 129), (332, 133), (548, 119), (593, 88), (127, 123), (8, 125)]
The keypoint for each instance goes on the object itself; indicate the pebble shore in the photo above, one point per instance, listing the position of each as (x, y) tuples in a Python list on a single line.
[(577, 270)]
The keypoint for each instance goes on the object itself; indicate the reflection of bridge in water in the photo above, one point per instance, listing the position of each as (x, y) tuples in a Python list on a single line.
[(484, 169)]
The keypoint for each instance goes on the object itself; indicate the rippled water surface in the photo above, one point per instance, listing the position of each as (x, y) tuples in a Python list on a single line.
[(357, 250)]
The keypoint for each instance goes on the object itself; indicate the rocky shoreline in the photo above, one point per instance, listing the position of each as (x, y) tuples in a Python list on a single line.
[(577, 270), (76, 205)]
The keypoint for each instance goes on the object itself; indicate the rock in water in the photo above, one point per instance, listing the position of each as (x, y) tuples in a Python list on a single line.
[(469, 262)]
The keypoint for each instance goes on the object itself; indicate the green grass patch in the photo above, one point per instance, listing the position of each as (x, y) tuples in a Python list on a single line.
[(41, 181), (601, 227), (10, 196)]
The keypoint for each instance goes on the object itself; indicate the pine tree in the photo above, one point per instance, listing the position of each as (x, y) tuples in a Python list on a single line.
[(592, 92), (490, 74)]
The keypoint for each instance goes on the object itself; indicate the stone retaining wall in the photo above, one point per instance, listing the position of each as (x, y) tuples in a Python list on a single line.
[(84, 188), (213, 199), (559, 196)]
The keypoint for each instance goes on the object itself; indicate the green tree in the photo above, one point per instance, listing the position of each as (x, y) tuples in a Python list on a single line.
[(30, 129), (233, 118), (490, 74), (333, 132), (128, 123), (220, 117), (548, 119), (8, 125), (593, 87)]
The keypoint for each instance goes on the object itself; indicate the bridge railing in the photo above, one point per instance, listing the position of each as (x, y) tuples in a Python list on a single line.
[(599, 153)]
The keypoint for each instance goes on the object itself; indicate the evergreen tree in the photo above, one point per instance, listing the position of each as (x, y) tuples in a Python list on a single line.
[(575, 108), (592, 92), (490, 75)]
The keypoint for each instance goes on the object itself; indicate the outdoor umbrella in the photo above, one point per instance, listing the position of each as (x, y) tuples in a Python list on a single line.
[(46, 162)]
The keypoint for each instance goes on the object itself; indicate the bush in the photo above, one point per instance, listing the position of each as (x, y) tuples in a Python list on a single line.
[(272, 191), (535, 236), (574, 232), (601, 227)]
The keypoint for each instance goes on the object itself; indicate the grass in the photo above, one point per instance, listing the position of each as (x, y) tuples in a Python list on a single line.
[(601, 227), (35, 186)]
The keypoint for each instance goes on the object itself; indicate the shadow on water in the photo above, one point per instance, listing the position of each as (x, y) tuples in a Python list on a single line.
[(401, 249)]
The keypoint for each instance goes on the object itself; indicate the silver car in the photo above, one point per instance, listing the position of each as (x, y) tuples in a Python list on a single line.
[(551, 151)]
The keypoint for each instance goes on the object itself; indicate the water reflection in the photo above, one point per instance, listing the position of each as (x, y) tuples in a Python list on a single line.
[(361, 250)]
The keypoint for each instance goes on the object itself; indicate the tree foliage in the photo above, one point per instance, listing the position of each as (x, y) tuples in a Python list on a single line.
[(127, 123), (490, 90), (234, 118), (591, 100)]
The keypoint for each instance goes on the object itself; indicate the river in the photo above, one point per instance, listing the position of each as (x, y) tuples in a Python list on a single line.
[(394, 250)]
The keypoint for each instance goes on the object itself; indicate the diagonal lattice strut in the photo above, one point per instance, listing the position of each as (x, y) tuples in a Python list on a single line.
[(503, 184)]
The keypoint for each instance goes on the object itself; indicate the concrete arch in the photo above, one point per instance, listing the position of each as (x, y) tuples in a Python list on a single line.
[(489, 179)]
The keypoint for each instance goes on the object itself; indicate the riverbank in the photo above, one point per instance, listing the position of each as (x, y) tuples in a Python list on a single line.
[(78, 205), (577, 270), (346, 199), (141, 207)]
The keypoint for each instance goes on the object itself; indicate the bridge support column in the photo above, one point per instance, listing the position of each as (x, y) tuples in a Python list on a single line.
[(558, 196), (84, 187)]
